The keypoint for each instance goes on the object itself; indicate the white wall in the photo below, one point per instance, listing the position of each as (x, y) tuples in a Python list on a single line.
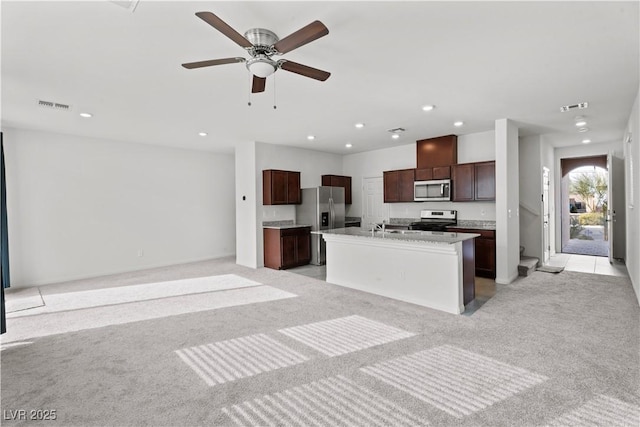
[(81, 207), (632, 182), (246, 198), (475, 147), (507, 202), (530, 164), (251, 159)]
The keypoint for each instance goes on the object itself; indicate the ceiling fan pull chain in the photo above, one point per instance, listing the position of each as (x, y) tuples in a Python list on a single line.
[(250, 83), (274, 91)]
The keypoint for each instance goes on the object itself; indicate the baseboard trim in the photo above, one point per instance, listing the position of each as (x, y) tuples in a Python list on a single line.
[(71, 278)]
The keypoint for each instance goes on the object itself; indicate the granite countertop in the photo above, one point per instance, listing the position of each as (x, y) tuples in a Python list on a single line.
[(476, 225), (282, 225), (412, 236)]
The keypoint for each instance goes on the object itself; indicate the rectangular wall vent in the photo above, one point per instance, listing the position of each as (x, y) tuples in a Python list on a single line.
[(54, 105)]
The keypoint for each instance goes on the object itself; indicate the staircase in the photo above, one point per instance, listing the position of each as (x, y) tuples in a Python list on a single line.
[(527, 264)]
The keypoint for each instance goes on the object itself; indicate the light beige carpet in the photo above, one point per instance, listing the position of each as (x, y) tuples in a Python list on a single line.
[(548, 349)]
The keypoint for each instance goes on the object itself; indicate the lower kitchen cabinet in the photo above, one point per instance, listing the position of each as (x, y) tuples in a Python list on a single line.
[(485, 246), (287, 247)]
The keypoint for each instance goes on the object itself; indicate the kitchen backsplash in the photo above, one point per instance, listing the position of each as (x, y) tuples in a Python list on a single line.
[(480, 211)]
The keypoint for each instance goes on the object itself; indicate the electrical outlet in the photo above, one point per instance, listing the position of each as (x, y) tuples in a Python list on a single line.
[(482, 212), (140, 253)]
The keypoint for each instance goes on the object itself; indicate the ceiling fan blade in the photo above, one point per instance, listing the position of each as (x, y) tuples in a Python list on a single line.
[(258, 84), (224, 28), (199, 64), (304, 35), (303, 70)]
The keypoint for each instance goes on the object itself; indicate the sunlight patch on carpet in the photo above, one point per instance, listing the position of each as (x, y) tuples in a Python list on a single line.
[(345, 335), (22, 299), (601, 411), (22, 328), (134, 293), (238, 358), (453, 380), (333, 401)]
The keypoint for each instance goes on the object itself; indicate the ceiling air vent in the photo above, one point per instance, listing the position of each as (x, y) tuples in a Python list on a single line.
[(54, 105), (397, 130), (580, 106)]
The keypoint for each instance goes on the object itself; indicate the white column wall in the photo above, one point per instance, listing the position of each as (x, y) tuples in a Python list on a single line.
[(507, 202), (530, 171), (246, 203)]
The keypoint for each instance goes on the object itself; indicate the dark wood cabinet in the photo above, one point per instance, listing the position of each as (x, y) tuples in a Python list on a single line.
[(426, 174), (398, 185), (473, 181), (485, 250), (287, 247), (280, 187), (339, 181), (462, 182), (485, 184), (436, 152)]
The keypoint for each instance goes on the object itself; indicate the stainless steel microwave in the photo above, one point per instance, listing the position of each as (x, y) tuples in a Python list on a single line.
[(436, 190)]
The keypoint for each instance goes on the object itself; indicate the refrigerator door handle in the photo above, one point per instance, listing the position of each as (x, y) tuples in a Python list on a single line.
[(332, 214)]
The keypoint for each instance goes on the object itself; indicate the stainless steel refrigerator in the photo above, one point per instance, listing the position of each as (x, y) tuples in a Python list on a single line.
[(323, 209)]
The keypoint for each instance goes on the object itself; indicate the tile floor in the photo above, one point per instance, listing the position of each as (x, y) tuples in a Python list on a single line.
[(588, 264)]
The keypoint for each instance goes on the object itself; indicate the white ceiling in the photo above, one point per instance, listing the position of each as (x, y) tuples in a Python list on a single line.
[(476, 61)]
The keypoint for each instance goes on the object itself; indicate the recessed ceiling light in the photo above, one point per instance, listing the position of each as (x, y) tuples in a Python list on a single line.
[(586, 141), (458, 124), (311, 137), (348, 145), (428, 107), (86, 115), (202, 133), (580, 123), (395, 136), (359, 125)]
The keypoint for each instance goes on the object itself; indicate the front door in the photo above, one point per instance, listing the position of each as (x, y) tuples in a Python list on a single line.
[(615, 219), (545, 216)]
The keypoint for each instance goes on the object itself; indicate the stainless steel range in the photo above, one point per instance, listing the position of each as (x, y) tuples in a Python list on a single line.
[(435, 220)]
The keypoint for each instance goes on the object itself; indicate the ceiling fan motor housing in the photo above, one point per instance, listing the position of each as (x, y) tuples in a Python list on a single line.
[(261, 64)]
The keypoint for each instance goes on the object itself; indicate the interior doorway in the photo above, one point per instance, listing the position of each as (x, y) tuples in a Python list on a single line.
[(373, 207), (585, 206)]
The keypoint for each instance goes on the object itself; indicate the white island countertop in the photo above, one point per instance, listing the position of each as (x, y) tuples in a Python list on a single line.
[(409, 236), (429, 268)]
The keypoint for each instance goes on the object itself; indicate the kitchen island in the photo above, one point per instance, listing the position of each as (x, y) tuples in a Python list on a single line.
[(429, 268)]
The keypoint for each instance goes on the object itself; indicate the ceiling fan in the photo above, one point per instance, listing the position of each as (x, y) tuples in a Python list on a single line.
[(262, 45)]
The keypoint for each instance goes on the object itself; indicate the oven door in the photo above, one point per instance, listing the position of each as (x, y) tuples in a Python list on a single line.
[(432, 191)]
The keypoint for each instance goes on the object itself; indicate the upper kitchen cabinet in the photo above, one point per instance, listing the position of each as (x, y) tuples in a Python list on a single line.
[(473, 181), (427, 174), (281, 187), (398, 185), (462, 182), (485, 185), (339, 181), (436, 152)]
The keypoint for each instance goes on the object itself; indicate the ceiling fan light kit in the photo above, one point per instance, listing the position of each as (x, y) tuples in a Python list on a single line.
[(262, 44)]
